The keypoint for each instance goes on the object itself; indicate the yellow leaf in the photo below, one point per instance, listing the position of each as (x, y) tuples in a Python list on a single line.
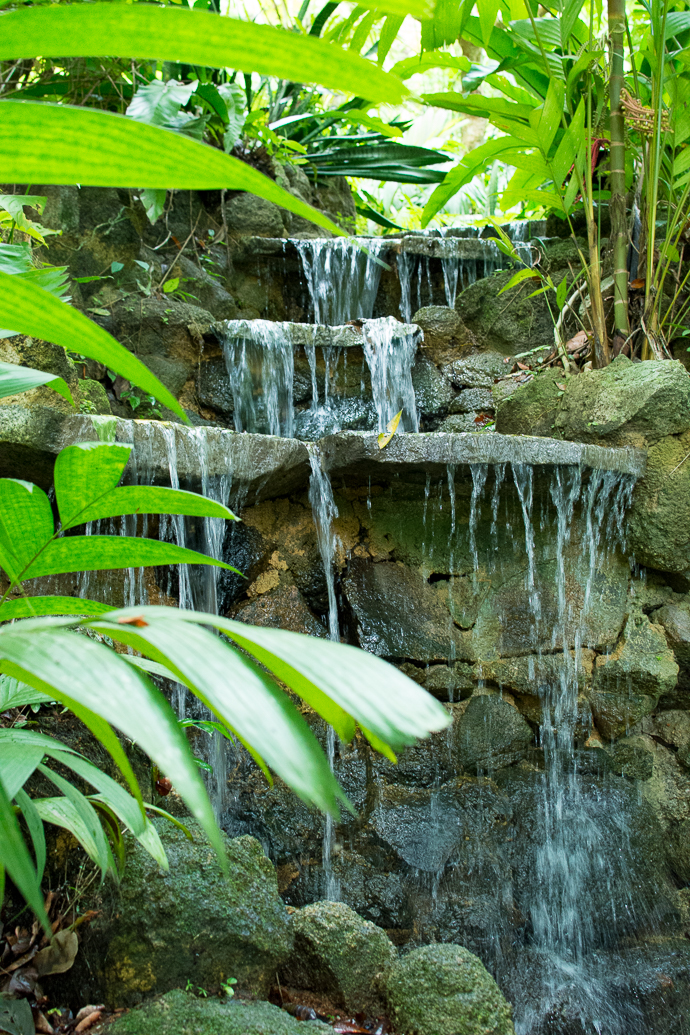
[(391, 428)]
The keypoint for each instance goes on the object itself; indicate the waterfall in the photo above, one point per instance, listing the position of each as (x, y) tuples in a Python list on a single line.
[(390, 355), (324, 511), (342, 278), (259, 359)]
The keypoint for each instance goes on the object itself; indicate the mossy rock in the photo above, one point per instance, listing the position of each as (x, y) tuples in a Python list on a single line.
[(158, 929), (180, 1013), (532, 408), (339, 953), (445, 990), (93, 397), (658, 521)]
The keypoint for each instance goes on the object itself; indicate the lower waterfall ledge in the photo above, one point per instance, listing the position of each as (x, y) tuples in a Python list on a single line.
[(268, 465)]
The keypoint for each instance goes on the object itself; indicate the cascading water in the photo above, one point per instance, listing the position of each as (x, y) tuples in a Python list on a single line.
[(342, 278), (260, 363), (390, 355)]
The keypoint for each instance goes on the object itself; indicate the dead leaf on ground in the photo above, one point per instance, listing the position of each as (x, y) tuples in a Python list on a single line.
[(42, 1023), (88, 1022), (86, 1011), (59, 956), (577, 342), (16, 1017)]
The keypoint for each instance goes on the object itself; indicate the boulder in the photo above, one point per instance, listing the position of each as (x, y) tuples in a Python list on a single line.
[(249, 216), (159, 930), (626, 403), (93, 397), (182, 1013), (445, 990), (339, 953), (490, 734), (479, 370), (472, 400), (443, 329), (433, 394), (674, 618), (673, 728), (679, 850), (531, 408), (628, 682), (460, 423), (658, 521)]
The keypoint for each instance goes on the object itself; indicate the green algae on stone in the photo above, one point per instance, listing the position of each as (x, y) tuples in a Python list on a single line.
[(445, 990), (180, 1013), (158, 930), (338, 952), (658, 521), (532, 408)]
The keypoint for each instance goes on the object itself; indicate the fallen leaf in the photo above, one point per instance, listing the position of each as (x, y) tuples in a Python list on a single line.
[(391, 428), (137, 620), (42, 1024), (86, 1011), (16, 1017), (638, 284), (163, 785), (523, 366), (577, 342), (559, 384), (59, 956), (88, 1022)]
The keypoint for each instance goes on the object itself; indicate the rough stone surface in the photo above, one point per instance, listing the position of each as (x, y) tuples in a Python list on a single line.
[(339, 953), (472, 400), (628, 682), (479, 370), (659, 519), (626, 403), (159, 929), (442, 327), (433, 394), (445, 990), (531, 409), (490, 734), (181, 1013), (674, 617), (248, 215)]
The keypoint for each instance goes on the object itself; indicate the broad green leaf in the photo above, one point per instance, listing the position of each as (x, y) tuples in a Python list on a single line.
[(101, 552), (98, 148), (104, 733), (389, 33), (566, 152), (484, 107), (35, 828), (195, 38), (444, 27), (15, 379), (430, 59), (78, 671), (417, 8), (570, 12), (16, 1017), (682, 163), (33, 607), (561, 292), (158, 103), (15, 858), (14, 694), (17, 763), (31, 310), (517, 278), (549, 119), (74, 813), (150, 840), (84, 473), (26, 524), (243, 696), (677, 22), (473, 163), (154, 203), (398, 713), (488, 12)]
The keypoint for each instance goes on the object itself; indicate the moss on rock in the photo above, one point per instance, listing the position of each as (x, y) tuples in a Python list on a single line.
[(338, 952), (183, 1014), (445, 990)]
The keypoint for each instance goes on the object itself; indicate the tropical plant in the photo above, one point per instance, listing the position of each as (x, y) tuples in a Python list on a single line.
[(589, 121)]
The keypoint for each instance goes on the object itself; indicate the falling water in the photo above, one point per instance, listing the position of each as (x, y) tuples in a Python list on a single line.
[(259, 358), (390, 355), (342, 278), (324, 511)]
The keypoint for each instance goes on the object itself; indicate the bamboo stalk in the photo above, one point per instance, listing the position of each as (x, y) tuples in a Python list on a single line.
[(617, 204)]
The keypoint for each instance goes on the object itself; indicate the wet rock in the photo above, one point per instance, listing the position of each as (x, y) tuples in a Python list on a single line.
[(93, 397), (473, 400), (508, 323), (433, 394), (627, 683), (490, 734), (443, 330), (460, 423), (249, 216), (213, 387), (351, 414), (531, 679), (674, 617), (659, 518), (283, 607), (447, 682), (673, 728), (679, 850), (182, 1013), (532, 408), (417, 625), (626, 403), (632, 757), (41, 355), (477, 371), (208, 291), (445, 990), (339, 953), (159, 930)]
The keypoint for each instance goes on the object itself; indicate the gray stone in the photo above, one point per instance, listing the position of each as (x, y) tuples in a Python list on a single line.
[(339, 953), (628, 682), (433, 394), (182, 1013), (93, 397), (461, 424), (445, 990), (442, 327), (490, 734), (250, 216), (417, 624), (213, 387), (672, 727), (164, 328), (480, 370), (531, 409), (679, 850), (511, 322), (626, 403), (473, 400), (674, 618), (159, 930), (659, 518)]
